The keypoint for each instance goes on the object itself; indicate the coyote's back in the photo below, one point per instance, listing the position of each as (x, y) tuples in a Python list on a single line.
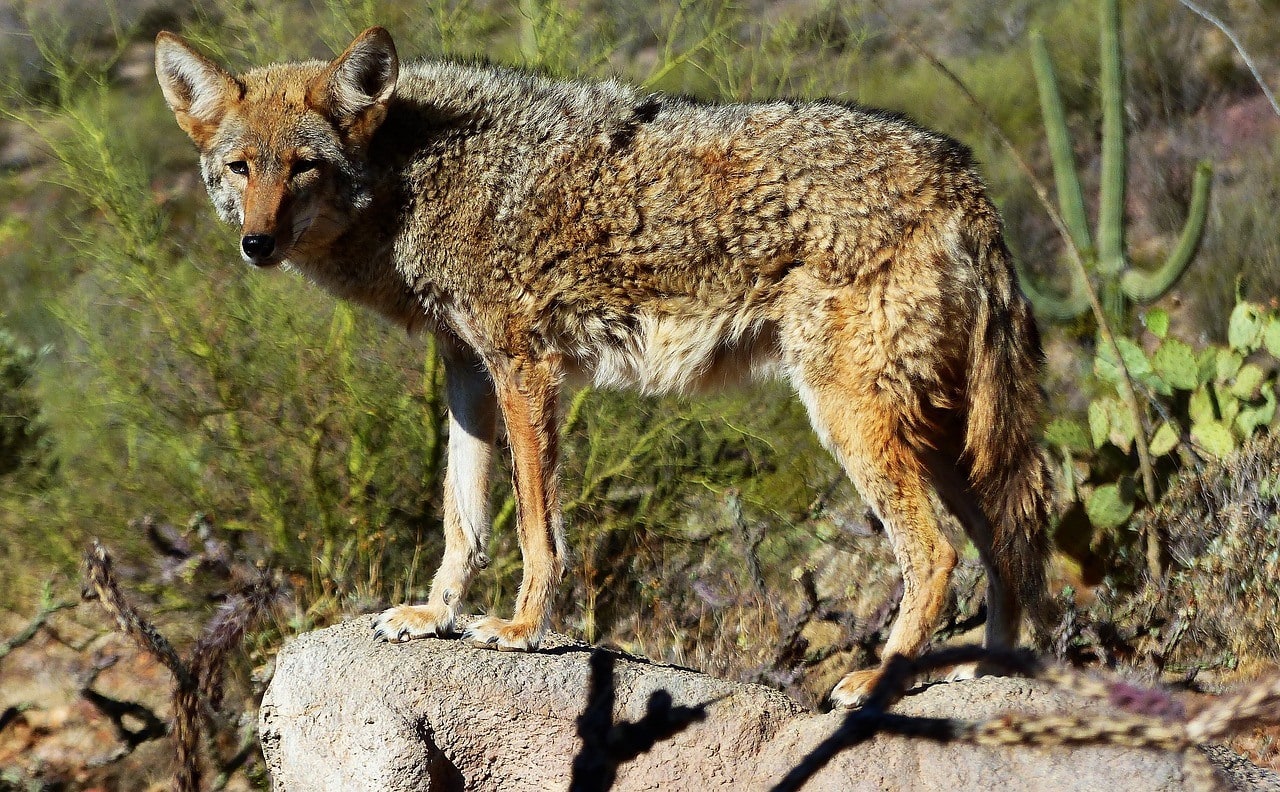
[(542, 229)]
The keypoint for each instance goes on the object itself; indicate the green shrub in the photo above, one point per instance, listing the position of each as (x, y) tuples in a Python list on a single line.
[(25, 445)]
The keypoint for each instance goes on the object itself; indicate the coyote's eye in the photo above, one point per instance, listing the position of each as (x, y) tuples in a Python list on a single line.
[(239, 167), (304, 166)]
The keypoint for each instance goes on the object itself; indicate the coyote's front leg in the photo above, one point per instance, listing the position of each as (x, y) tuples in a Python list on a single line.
[(472, 418), (528, 393)]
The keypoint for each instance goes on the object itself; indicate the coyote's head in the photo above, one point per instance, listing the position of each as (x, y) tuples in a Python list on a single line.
[(282, 148)]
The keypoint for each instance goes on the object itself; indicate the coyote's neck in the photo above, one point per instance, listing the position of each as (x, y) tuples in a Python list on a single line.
[(361, 266)]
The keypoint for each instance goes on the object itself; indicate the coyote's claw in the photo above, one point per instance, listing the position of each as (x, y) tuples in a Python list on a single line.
[(492, 631), (408, 622)]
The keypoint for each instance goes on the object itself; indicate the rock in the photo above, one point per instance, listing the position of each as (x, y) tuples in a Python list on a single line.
[(344, 711)]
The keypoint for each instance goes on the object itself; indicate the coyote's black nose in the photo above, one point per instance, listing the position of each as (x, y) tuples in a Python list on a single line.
[(258, 246)]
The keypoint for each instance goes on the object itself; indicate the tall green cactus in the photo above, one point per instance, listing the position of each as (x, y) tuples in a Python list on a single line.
[(1120, 284)]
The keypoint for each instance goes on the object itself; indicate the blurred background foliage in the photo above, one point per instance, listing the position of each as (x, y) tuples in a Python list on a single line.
[(145, 372)]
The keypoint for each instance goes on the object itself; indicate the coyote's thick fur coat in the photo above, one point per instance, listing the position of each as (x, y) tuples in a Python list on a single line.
[(544, 230)]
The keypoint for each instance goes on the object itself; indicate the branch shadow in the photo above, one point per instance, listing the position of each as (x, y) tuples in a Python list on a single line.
[(607, 745), (872, 718)]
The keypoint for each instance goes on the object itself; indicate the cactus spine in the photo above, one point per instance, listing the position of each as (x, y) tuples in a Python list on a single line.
[(1120, 284)]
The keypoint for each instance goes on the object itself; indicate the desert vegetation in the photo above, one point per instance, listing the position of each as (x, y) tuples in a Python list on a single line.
[(208, 423)]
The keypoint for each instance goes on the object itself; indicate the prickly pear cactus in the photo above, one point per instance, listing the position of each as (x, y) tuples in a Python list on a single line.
[(1199, 406)]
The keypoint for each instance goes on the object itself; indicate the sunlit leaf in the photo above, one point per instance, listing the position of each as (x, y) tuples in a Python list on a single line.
[(1108, 506), (1164, 440)]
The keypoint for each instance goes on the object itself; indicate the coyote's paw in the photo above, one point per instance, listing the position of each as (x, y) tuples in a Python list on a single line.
[(406, 622), (965, 671), (854, 689), (504, 634)]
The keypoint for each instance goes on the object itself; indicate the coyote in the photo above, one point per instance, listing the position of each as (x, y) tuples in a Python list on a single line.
[(547, 231)]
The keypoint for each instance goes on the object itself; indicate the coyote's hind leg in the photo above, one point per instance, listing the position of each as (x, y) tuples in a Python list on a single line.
[(853, 385), (1004, 609), (890, 476)]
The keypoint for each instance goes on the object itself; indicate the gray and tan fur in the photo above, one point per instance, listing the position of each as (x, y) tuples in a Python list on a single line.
[(559, 231)]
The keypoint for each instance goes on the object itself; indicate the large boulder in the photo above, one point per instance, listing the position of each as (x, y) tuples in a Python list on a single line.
[(344, 712)]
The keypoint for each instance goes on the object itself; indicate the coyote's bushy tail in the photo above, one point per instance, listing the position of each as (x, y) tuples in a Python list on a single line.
[(1007, 467)]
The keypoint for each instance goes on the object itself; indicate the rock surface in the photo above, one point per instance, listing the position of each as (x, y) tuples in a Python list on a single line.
[(346, 712)]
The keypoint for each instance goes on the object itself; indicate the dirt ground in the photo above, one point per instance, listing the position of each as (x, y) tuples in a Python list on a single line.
[(83, 709)]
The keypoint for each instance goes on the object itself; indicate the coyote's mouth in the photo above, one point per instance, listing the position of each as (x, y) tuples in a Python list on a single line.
[(301, 223)]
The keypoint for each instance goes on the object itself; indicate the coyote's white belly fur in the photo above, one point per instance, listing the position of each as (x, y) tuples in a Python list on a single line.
[(684, 353)]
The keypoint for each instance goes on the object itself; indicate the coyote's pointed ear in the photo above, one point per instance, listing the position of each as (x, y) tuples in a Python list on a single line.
[(197, 89), (357, 86)]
